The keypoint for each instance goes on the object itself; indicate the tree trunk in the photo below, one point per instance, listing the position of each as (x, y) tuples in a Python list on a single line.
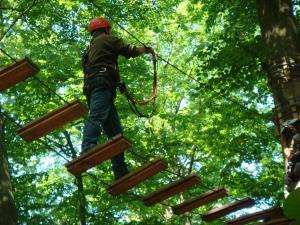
[(278, 27), (8, 212), (279, 31), (82, 200)]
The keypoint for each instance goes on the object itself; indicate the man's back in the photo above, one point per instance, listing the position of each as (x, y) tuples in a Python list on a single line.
[(105, 49)]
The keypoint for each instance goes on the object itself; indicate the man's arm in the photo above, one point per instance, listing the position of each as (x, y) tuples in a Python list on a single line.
[(285, 147), (129, 50)]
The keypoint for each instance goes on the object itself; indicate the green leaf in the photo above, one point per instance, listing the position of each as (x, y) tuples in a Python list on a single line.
[(291, 206)]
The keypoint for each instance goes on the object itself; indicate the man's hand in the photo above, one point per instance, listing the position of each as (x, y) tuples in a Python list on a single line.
[(149, 50), (145, 50)]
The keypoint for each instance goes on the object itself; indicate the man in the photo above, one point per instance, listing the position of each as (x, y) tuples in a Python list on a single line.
[(291, 142), (101, 78)]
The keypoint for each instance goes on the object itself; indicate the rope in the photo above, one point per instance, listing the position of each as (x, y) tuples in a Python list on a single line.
[(133, 102), (155, 87), (8, 55), (51, 90), (137, 112)]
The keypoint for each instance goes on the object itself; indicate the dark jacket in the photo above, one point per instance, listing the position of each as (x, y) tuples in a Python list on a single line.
[(103, 51)]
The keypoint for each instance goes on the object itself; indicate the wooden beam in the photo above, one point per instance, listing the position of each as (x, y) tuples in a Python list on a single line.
[(52, 121), (274, 212), (171, 189), (201, 200), (98, 154), (227, 209), (281, 221), (134, 178), (17, 72)]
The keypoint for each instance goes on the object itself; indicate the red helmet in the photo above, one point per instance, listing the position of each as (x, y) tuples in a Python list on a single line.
[(99, 22)]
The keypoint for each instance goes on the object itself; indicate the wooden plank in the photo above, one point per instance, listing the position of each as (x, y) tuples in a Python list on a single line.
[(171, 189), (227, 209), (134, 178), (201, 200), (280, 221), (98, 154), (17, 72), (265, 214), (52, 121)]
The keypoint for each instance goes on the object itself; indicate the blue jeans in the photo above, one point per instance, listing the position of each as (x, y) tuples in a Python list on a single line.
[(103, 114)]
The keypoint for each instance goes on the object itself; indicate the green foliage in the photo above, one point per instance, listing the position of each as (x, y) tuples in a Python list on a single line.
[(291, 205), (201, 125)]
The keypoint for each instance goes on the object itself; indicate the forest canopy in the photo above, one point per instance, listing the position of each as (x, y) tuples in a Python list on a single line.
[(213, 110)]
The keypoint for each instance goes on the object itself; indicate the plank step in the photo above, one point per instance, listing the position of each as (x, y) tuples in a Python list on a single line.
[(227, 209), (136, 177), (281, 221), (98, 154), (171, 189), (17, 72), (201, 200), (274, 212), (53, 120)]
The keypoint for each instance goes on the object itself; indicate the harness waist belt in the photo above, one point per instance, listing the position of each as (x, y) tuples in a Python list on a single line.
[(97, 70)]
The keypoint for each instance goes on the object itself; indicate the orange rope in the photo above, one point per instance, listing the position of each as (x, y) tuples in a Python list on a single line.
[(155, 86)]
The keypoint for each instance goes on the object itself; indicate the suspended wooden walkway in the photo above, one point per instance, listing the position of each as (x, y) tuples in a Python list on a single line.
[(52, 121), (98, 154), (24, 68), (17, 72), (119, 144)]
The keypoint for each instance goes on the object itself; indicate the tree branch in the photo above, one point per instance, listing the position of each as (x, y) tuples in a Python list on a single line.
[(70, 144), (192, 160)]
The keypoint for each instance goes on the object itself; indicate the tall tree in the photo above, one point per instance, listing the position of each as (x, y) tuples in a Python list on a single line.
[(8, 213), (281, 37)]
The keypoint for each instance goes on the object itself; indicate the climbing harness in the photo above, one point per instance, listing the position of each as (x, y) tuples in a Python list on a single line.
[(133, 102)]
